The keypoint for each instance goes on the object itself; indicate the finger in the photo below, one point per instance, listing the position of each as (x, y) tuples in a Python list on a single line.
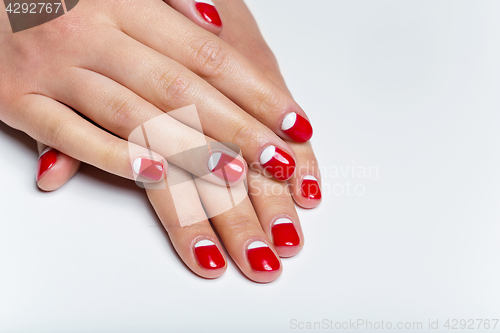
[(305, 184), (122, 112), (179, 208), (168, 85), (240, 231), (242, 34), (219, 64), (201, 12), (54, 169), (276, 212), (238, 27), (57, 125)]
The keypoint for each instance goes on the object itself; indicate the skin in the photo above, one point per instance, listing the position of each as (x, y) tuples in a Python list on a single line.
[(267, 200), (134, 71)]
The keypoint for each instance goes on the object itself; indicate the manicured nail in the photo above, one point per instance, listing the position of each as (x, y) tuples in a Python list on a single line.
[(47, 160), (262, 258), (148, 169), (279, 163), (310, 188), (297, 127), (208, 255), (226, 167), (208, 12), (284, 233)]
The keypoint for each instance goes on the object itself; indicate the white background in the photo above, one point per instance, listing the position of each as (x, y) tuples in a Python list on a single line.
[(409, 87)]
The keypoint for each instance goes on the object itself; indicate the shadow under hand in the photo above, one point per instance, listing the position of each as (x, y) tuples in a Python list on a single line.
[(93, 176), (20, 137)]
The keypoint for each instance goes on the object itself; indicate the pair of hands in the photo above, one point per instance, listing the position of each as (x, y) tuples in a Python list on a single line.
[(149, 59)]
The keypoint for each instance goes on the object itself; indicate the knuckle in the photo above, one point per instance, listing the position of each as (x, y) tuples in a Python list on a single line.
[(267, 101), (109, 156), (174, 86), (55, 134), (210, 57), (243, 134), (238, 223), (122, 112)]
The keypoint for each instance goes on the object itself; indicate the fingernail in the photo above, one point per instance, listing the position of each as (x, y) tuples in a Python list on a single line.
[(226, 167), (148, 169), (279, 163), (208, 12), (208, 255), (284, 233), (297, 127), (310, 188), (262, 258), (47, 160)]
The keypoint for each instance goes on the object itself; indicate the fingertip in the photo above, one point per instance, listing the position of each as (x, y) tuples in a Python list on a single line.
[(208, 273), (149, 170), (231, 169), (209, 14), (306, 192), (263, 262), (297, 127), (277, 162), (55, 169), (287, 236), (201, 12), (288, 252)]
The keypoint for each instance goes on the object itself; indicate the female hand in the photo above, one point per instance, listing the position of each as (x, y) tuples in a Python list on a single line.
[(242, 33), (270, 217), (134, 71)]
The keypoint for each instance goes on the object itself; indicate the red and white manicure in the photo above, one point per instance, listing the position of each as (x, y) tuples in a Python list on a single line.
[(297, 127), (284, 233), (225, 167), (262, 258), (208, 12), (310, 188), (148, 170), (277, 162), (46, 161), (208, 255)]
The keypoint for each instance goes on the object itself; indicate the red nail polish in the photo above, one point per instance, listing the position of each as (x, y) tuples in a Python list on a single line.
[(310, 188), (226, 167), (46, 161), (209, 13), (278, 162), (262, 258), (208, 255), (284, 233), (297, 127), (148, 169)]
